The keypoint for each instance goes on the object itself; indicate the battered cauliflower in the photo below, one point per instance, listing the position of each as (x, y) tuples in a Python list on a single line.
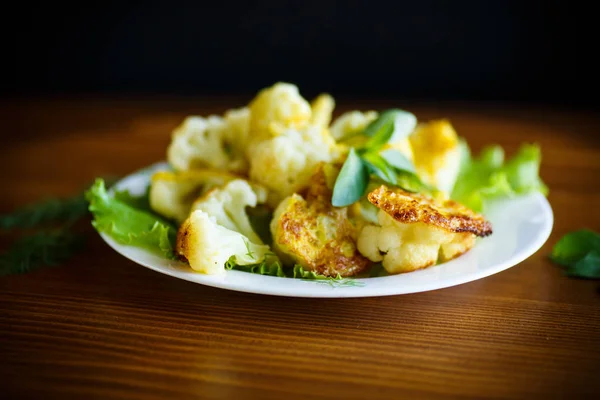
[(437, 154), (228, 204), (207, 245), (315, 234), (415, 231), (213, 142), (172, 193)]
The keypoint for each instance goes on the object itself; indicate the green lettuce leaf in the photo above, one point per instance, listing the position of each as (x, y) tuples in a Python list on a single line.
[(128, 225), (490, 177), (138, 202), (578, 253), (263, 268)]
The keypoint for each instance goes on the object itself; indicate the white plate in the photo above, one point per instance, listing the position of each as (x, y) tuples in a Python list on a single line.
[(521, 226)]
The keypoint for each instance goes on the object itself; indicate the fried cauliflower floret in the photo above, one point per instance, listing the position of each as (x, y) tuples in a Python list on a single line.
[(276, 109), (314, 234), (207, 245), (172, 193), (415, 231), (227, 204), (437, 154), (213, 142), (285, 163)]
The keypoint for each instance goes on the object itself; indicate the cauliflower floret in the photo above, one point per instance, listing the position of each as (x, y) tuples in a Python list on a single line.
[(275, 110), (437, 154), (322, 109), (214, 142), (228, 204), (207, 245), (416, 231), (172, 193), (285, 163), (315, 234)]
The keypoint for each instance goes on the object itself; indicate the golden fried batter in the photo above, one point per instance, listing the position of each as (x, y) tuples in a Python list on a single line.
[(406, 207), (315, 234)]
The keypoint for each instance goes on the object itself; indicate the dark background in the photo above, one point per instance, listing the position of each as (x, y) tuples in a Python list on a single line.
[(529, 51)]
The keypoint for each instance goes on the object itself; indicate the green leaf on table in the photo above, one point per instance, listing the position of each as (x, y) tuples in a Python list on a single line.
[(128, 225), (40, 249), (587, 267), (578, 253), (351, 182)]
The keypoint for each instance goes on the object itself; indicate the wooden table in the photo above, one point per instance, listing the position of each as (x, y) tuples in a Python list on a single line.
[(102, 327)]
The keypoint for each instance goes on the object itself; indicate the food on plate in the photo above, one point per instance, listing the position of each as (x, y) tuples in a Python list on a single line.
[(207, 246), (311, 232), (437, 154), (212, 142), (173, 193), (414, 231), (281, 186)]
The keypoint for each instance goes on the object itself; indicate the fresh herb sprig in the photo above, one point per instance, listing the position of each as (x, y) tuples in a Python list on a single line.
[(45, 212), (40, 249), (578, 253), (366, 161)]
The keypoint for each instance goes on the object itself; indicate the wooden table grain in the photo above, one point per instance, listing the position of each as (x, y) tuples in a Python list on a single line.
[(102, 327)]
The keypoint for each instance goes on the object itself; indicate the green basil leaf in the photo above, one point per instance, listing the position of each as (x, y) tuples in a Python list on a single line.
[(404, 124), (351, 182), (587, 267), (398, 160), (574, 246), (379, 167)]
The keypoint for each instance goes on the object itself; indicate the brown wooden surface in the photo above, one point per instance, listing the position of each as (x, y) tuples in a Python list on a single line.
[(102, 327)]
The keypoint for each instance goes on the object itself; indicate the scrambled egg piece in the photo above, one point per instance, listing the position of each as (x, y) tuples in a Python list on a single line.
[(227, 204), (415, 231), (172, 193), (437, 154), (213, 142), (314, 234), (207, 246)]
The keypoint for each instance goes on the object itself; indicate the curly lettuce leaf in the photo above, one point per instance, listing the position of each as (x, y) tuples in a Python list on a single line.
[(263, 268), (138, 202), (578, 253), (128, 225), (490, 177)]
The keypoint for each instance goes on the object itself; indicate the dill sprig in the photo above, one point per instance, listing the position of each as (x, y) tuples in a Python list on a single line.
[(45, 248), (46, 212)]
